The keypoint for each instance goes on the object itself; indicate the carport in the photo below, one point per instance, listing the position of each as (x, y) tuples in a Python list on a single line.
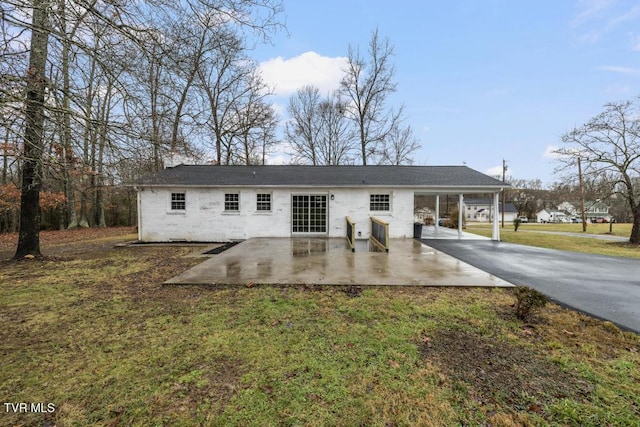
[(438, 231)]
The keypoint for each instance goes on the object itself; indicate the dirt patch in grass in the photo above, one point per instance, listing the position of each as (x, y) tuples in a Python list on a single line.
[(496, 373), (206, 390)]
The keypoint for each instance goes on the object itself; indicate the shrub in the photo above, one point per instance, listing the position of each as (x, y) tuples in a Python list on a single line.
[(452, 219), (527, 301)]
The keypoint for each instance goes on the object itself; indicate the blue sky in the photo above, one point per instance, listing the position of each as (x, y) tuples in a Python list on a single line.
[(480, 80)]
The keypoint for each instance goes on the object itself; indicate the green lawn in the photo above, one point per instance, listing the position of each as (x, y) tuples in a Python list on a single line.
[(96, 334), (622, 229), (534, 235)]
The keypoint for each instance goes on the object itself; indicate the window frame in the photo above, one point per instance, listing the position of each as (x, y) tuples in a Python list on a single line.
[(262, 204), (228, 204), (377, 203), (175, 202)]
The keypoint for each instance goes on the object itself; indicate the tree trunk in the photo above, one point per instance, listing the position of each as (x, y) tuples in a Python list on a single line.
[(88, 144), (154, 88), (99, 168), (363, 144), (5, 157), (67, 153), (635, 230), (29, 235)]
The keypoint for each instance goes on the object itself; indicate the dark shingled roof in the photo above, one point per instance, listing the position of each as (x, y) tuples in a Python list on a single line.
[(322, 176)]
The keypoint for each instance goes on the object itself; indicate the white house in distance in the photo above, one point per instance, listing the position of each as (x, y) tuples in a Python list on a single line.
[(222, 203), (595, 211), (481, 210), (568, 208)]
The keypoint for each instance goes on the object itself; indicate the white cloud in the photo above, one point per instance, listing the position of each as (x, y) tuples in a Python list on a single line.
[(599, 17), (278, 159), (309, 68), (629, 15), (494, 171), (549, 152), (280, 154), (621, 70), (280, 109), (589, 9)]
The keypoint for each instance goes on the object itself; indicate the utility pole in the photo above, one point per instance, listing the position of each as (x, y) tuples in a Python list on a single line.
[(504, 176), (584, 215)]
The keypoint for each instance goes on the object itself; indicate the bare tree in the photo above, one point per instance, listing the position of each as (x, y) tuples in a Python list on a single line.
[(401, 144), (67, 27), (336, 136), (304, 125), (107, 82), (319, 130), (367, 84), (609, 145), (29, 235), (255, 123), (13, 65)]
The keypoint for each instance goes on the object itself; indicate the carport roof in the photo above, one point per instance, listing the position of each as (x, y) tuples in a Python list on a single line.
[(324, 176)]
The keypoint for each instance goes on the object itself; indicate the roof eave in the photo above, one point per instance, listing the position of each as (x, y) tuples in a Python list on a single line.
[(436, 188)]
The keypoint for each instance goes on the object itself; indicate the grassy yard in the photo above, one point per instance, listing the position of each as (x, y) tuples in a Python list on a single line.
[(92, 331), (535, 235), (622, 229)]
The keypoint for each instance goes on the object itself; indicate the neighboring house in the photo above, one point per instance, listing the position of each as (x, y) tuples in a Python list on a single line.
[(552, 216), (221, 203), (481, 210), (596, 210), (569, 208), (423, 215)]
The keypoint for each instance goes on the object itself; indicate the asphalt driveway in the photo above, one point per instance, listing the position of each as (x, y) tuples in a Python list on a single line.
[(603, 286)]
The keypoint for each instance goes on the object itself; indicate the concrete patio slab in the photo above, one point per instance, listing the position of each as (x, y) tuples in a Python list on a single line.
[(329, 262)]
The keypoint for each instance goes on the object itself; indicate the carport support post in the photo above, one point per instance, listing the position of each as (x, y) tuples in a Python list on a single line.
[(437, 212), (460, 214), (495, 235)]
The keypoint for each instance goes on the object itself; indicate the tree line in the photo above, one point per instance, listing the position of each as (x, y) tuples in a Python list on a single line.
[(96, 93)]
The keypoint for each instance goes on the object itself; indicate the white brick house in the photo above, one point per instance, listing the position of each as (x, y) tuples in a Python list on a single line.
[(221, 203)]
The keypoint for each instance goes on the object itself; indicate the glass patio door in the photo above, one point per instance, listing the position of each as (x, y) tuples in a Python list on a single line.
[(309, 213)]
